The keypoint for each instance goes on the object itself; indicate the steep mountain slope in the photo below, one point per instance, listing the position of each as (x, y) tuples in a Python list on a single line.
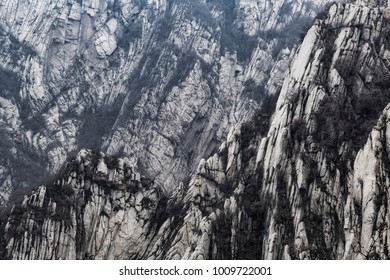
[(310, 182), (157, 81)]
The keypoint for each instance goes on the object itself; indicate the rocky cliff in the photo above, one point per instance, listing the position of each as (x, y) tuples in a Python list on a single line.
[(157, 81), (306, 178)]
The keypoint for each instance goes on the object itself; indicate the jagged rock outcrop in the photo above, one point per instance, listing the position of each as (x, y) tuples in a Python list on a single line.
[(316, 185), (98, 208), (311, 157), (157, 81)]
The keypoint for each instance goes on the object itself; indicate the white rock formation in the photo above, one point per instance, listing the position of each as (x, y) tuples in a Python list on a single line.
[(159, 83)]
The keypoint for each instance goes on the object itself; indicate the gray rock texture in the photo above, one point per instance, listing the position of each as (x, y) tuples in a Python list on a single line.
[(306, 178), (157, 81)]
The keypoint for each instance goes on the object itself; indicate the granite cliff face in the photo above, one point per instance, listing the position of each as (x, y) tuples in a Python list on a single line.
[(97, 208), (157, 81), (306, 178)]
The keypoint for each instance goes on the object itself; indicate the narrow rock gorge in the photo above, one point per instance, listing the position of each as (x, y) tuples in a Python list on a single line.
[(302, 174)]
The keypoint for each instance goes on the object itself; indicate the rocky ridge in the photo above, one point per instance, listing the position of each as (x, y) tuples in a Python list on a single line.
[(64, 212)]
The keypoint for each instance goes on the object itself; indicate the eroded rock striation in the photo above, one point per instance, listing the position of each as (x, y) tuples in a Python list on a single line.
[(158, 81), (306, 178), (98, 208)]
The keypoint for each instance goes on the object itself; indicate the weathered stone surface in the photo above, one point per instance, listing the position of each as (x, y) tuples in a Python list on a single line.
[(160, 82), (309, 182)]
